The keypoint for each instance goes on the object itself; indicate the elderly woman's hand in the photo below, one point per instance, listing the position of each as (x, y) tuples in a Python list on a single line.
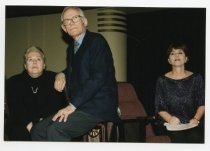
[(60, 82)]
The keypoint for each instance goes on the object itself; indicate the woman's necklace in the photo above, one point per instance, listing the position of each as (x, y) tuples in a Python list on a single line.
[(34, 90)]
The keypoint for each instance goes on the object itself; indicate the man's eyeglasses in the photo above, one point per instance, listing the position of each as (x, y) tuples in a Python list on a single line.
[(74, 19)]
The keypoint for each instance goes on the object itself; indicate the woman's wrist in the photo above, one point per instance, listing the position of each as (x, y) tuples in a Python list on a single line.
[(169, 119), (195, 118)]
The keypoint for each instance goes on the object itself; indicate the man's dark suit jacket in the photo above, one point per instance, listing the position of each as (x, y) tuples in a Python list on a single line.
[(90, 74)]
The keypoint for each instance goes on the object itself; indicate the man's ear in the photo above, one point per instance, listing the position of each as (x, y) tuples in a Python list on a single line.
[(64, 28), (85, 21)]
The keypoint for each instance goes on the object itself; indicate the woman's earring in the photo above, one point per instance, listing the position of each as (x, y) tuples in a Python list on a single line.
[(186, 60)]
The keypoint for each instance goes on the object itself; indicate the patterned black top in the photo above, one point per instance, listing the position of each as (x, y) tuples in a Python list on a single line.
[(180, 98)]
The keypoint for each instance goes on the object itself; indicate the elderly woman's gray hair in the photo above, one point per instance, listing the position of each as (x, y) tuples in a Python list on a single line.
[(34, 49)]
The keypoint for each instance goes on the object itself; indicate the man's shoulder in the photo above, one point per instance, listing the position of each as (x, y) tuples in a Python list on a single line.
[(93, 34)]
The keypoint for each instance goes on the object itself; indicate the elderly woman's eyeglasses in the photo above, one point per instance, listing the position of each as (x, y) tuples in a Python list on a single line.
[(74, 19)]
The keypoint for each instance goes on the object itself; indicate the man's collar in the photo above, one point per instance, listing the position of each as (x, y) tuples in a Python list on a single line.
[(81, 37)]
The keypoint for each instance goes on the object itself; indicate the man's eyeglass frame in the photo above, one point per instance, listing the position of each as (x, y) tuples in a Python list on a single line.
[(74, 19)]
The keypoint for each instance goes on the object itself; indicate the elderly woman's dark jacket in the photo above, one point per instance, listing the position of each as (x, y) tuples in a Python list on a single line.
[(30, 99)]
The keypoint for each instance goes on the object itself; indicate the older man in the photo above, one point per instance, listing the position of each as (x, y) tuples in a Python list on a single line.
[(89, 81)]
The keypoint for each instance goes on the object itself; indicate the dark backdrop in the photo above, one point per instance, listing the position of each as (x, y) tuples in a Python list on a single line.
[(149, 35)]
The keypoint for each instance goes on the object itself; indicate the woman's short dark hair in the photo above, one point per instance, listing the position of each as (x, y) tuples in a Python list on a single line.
[(177, 45)]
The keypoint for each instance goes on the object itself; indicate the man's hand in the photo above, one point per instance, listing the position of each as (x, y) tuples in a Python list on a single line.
[(63, 114), (60, 82)]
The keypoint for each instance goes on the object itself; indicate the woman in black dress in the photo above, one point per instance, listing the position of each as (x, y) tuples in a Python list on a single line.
[(180, 97), (31, 96)]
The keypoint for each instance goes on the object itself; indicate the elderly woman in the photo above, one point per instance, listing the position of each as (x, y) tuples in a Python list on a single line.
[(31, 95)]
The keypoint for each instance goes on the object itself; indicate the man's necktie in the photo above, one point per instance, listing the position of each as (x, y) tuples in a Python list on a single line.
[(76, 46)]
